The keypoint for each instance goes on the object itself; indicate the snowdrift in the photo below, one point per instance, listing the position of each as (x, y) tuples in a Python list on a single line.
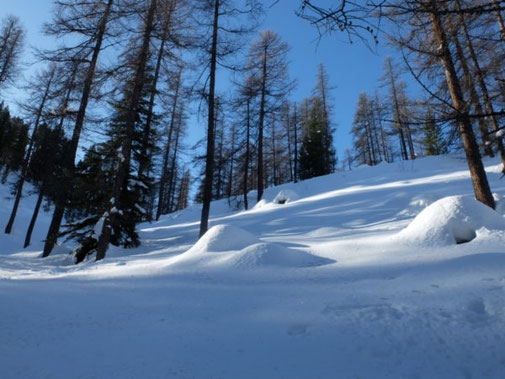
[(221, 238), (452, 220), (271, 254), (227, 246)]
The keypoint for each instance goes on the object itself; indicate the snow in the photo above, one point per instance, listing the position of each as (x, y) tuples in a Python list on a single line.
[(356, 275), (223, 238), (453, 219), (286, 196)]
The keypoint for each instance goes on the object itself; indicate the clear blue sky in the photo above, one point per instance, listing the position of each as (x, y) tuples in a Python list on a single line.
[(352, 68)]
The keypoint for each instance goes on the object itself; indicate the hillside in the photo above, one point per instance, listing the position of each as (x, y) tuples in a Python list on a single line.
[(388, 271)]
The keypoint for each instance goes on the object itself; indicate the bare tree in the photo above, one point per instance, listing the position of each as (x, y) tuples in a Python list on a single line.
[(11, 46), (226, 18), (89, 21), (110, 218), (268, 63), (42, 90)]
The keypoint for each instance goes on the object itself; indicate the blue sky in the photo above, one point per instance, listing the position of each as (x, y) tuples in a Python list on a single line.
[(352, 68)]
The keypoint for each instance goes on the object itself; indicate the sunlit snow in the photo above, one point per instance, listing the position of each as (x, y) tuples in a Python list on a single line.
[(392, 271)]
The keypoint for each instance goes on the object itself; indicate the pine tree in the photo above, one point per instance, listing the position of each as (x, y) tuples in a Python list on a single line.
[(434, 142), (315, 154)]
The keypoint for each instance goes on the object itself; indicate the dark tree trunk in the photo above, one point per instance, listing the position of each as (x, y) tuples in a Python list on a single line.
[(247, 153), (499, 19), (209, 160), (166, 156), (33, 220), (474, 97), (121, 176), (152, 96), (173, 171), (261, 126), (28, 156), (295, 122), (69, 164), (477, 172), (483, 87)]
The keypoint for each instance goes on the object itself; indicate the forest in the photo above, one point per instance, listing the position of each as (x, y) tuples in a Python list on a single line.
[(102, 134)]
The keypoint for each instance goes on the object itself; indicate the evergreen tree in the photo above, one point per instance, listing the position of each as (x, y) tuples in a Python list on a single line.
[(316, 157), (15, 142), (434, 142), (91, 201)]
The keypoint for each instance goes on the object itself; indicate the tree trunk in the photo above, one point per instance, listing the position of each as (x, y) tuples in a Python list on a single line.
[(173, 171), (124, 162), (477, 172), (35, 214), (483, 87), (152, 96), (398, 121), (166, 156), (232, 158), (499, 19), (209, 161), (247, 153), (69, 164), (295, 122), (474, 97), (261, 126), (26, 161)]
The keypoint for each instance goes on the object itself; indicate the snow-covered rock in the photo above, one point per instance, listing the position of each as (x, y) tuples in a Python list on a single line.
[(450, 220)]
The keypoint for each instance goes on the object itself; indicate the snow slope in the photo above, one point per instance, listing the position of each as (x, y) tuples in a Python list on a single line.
[(351, 275)]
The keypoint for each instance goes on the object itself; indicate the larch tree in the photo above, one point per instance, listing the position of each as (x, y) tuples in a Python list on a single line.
[(12, 36), (222, 23), (269, 65), (111, 218), (87, 23), (41, 91), (432, 16)]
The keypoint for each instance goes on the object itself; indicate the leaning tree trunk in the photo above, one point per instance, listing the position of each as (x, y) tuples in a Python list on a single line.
[(26, 161), (483, 87), (35, 214), (499, 19), (152, 96), (477, 172), (121, 177), (69, 164), (474, 97)]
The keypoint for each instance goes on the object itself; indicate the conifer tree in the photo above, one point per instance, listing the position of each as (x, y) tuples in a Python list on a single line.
[(315, 154), (11, 45)]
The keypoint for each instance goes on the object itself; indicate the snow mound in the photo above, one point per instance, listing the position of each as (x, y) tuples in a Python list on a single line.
[(286, 196), (453, 219), (271, 254), (221, 238)]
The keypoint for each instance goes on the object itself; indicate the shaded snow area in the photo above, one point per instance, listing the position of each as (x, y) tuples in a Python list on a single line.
[(392, 271)]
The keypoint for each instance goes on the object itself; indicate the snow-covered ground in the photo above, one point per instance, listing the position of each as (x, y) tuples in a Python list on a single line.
[(342, 280)]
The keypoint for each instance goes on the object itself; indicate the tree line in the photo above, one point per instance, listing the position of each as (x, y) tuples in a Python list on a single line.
[(453, 49), (102, 132)]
